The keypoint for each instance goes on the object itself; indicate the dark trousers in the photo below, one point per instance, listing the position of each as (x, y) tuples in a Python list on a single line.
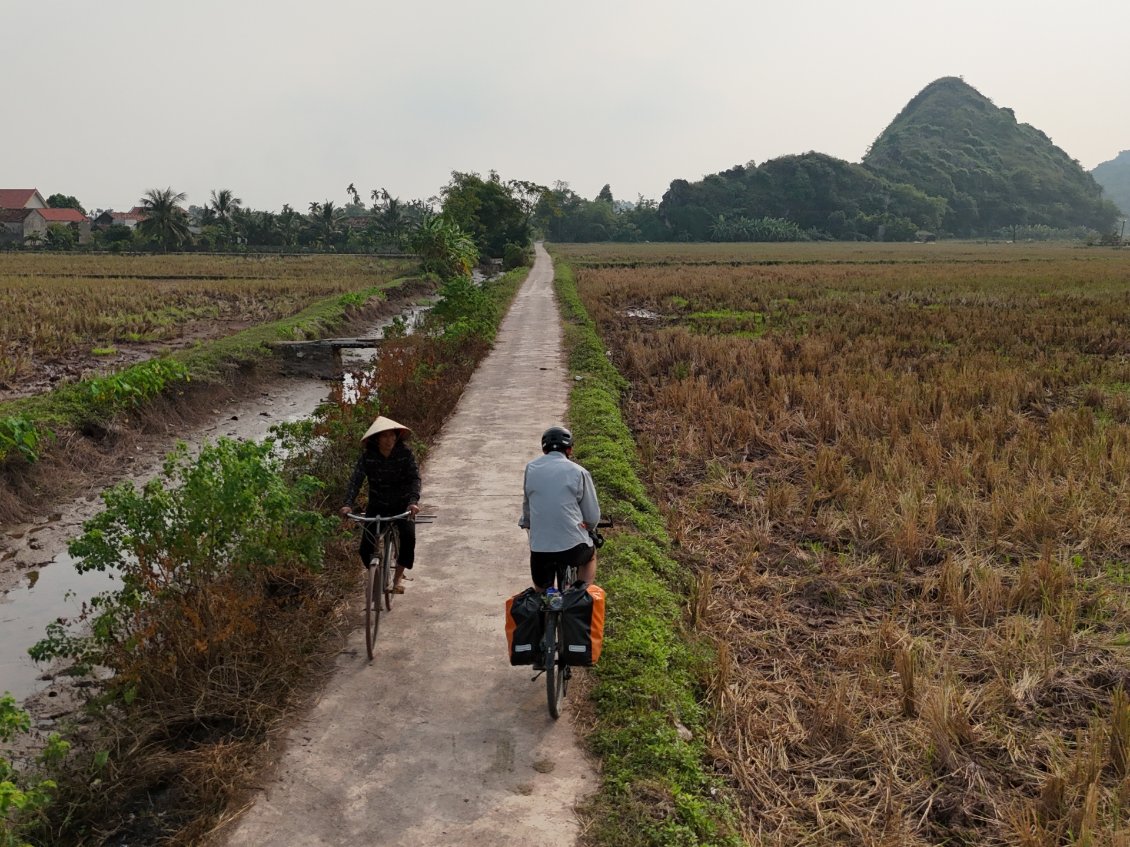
[(407, 541)]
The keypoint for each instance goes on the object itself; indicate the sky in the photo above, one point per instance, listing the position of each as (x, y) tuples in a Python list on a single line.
[(289, 102)]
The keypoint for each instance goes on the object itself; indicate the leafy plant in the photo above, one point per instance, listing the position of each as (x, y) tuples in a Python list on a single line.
[(19, 434), (131, 388), (24, 797), (463, 311), (444, 248), (197, 551)]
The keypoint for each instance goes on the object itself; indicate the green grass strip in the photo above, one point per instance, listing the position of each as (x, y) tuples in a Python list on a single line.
[(657, 788)]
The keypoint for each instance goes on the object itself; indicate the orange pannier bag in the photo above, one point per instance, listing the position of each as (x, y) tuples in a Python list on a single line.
[(582, 624)]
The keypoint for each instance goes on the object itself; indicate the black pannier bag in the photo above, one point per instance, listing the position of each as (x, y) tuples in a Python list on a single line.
[(525, 627), (582, 624)]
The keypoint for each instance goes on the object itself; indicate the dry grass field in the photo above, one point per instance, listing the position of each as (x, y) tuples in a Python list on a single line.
[(65, 317), (901, 475)]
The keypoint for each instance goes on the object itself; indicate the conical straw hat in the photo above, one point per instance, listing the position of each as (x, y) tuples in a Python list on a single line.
[(382, 424)]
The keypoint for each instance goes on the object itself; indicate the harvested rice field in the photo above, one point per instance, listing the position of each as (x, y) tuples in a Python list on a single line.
[(901, 477)]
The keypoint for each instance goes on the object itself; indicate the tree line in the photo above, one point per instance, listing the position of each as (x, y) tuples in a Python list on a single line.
[(472, 217)]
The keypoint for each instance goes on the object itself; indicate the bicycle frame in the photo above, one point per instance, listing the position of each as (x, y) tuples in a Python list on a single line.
[(378, 575), (557, 673)]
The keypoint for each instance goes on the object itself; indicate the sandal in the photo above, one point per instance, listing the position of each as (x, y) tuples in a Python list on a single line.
[(398, 588)]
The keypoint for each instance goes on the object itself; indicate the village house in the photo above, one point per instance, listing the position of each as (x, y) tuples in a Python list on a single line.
[(21, 198), (24, 214), (108, 218)]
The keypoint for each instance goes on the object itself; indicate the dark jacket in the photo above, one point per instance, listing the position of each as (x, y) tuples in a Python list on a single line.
[(394, 483)]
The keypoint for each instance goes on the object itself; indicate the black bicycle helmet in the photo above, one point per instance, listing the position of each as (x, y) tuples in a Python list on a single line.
[(556, 438)]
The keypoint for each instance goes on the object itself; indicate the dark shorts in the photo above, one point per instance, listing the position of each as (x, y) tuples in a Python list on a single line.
[(545, 567)]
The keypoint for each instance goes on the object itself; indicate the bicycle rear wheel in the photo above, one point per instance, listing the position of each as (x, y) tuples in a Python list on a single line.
[(390, 555), (372, 606), (554, 666)]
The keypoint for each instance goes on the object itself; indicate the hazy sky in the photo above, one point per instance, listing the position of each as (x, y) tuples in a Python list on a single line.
[(289, 102)]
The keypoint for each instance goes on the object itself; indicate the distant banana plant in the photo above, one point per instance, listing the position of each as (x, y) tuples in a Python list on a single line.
[(444, 248)]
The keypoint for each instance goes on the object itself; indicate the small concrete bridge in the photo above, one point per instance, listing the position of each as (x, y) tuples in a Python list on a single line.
[(321, 357)]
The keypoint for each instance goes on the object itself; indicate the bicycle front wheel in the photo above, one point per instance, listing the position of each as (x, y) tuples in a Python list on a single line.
[(372, 606), (554, 666), (389, 557)]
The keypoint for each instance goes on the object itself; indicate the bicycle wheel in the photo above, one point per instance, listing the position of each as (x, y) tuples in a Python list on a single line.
[(554, 667), (372, 606), (389, 557)]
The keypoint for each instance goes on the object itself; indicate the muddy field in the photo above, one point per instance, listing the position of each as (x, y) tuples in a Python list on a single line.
[(65, 318)]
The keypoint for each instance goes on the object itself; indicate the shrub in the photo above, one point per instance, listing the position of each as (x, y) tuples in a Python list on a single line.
[(201, 553), (515, 256), (24, 797)]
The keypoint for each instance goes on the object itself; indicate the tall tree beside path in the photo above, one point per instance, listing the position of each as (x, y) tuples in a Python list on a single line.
[(487, 210)]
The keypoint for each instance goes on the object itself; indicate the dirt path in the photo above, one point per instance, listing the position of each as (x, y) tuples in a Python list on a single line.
[(439, 741)]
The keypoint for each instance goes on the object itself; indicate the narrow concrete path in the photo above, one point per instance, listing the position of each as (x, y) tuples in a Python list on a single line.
[(439, 741)]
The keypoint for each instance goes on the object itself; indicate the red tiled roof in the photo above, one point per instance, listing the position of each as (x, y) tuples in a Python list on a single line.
[(15, 198), (128, 216), (70, 216)]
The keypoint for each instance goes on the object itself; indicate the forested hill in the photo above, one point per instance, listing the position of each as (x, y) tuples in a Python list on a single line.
[(1114, 177), (796, 197), (952, 142)]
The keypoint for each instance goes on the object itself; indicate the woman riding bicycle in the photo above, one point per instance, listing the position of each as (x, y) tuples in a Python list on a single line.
[(394, 488)]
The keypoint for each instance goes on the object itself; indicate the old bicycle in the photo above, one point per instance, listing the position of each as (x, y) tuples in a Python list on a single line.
[(378, 574)]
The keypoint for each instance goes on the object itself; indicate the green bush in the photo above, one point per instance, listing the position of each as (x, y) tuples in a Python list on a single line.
[(196, 551), (24, 797), (516, 256), (464, 312)]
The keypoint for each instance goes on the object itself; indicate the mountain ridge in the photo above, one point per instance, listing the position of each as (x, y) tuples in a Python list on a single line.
[(951, 161)]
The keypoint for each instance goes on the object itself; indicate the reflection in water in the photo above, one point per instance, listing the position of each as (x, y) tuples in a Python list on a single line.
[(56, 591)]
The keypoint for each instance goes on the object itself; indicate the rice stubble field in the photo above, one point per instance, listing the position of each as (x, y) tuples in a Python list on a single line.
[(901, 477), (66, 317)]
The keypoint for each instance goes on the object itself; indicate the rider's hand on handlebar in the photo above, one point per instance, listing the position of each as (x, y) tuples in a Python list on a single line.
[(414, 509), (345, 510)]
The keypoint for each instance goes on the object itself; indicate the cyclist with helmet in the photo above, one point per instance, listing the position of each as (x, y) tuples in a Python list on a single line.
[(559, 507), (394, 487)]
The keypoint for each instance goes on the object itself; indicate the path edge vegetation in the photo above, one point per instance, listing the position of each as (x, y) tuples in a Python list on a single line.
[(651, 725)]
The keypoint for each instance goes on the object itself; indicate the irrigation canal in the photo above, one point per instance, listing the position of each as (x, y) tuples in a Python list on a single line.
[(49, 586)]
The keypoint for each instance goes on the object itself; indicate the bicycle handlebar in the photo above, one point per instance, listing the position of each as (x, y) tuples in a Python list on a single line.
[(384, 519)]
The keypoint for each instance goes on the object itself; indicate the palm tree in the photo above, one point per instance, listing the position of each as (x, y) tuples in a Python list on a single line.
[(224, 203), (165, 221), (290, 223), (324, 220)]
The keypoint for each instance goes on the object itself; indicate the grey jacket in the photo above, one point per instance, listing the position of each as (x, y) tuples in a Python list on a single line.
[(558, 496)]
